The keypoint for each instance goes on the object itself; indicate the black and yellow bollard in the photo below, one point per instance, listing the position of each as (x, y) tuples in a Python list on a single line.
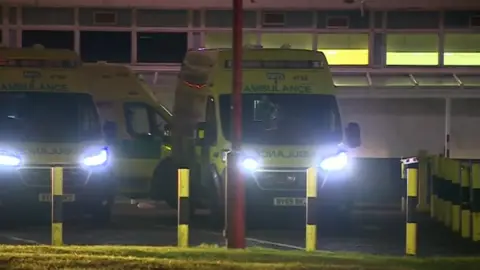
[(183, 207), (465, 201), (423, 181), (455, 195), (57, 206), (434, 188), (412, 193), (403, 177), (441, 189), (447, 191), (475, 202), (311, 228)]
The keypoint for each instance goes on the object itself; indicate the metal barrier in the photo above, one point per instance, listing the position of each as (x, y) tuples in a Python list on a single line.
[(453, 189)]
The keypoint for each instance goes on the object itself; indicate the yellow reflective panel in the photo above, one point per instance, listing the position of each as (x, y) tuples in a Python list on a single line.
[(296, 41), (224, 39), (344, 49)]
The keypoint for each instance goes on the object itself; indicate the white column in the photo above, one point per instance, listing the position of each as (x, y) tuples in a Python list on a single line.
[(19, 24), (448, 114), (134, 45), (5, 26), (76, 31)]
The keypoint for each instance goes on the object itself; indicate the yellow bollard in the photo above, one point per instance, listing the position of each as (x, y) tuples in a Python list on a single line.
[(455, 196), (311, 228), (465, 200), (57, 206), (412, 193), (183, 207), (475, 202)]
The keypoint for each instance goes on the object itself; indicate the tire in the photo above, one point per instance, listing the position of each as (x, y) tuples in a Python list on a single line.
[(164, 185), (216, 207)]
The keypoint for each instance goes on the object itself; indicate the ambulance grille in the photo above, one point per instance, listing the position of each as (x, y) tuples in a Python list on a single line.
[(281, 179), (41, 177)]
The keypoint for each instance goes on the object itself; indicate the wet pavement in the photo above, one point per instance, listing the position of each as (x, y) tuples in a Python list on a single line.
[(368, 232)]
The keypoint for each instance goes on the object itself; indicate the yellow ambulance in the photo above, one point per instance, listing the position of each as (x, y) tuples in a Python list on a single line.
[(291, 121), (48, 118), (140, 126)]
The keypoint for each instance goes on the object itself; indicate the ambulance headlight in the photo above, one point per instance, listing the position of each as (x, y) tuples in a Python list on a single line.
[(8, 159), (249, 164), (335, 163), (95, 158)]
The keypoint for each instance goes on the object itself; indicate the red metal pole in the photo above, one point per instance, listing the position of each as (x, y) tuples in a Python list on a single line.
[(235, 185)]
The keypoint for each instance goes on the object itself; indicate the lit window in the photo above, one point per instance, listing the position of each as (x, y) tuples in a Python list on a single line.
[(412, 49), (296, 41), (344, 49), (224, 40), (462, 50)]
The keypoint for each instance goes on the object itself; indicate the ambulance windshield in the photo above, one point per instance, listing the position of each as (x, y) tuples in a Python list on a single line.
[(285, 118), (48, 117)]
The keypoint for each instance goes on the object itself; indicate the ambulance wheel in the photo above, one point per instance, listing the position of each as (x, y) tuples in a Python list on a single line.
[(164, 184), (215, 207)]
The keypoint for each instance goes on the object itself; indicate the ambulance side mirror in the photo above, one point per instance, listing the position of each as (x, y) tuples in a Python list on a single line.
[(110, 130), (352, 135)]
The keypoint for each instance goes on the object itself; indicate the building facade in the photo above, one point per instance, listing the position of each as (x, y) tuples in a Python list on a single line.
[(355, 37)]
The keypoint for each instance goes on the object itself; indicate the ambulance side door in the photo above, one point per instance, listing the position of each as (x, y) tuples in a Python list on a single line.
[(141, 152)]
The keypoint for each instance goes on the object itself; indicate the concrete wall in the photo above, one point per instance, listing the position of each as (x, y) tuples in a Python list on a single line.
[(400, 127)]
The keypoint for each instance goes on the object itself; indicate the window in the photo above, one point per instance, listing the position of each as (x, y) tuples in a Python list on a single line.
[(462, 50), (47, 117), (273, 18), (137, 119), (112, 47), (89, 119), (224, 39), (161, 47), (412, 49), (49, 39), (337, 22), (105, 18), (285, 119), (344, 49), (475, 21), (296, 41), (106, 111)]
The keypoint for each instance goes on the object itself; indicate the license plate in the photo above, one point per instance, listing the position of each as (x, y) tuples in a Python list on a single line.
[(289, 201), (48, 197)]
